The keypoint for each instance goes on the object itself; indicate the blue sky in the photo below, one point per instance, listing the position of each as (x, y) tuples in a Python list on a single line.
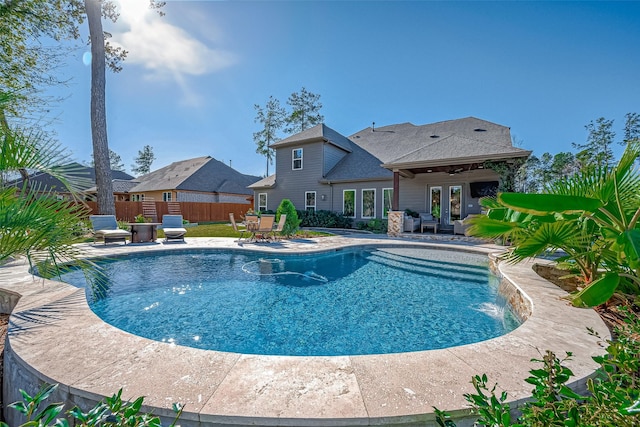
[(189, 85)]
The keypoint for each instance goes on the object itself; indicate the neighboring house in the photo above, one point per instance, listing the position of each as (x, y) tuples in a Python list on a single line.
[(433, 167), (203, 179), (84, 178), (121, 189)]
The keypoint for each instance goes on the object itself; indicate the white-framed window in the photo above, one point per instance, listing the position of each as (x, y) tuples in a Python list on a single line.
[(369, 203), (166, 196), (349, 203), (296, 158), (387, 201), (310, 201), (137, 197), (262, 202)]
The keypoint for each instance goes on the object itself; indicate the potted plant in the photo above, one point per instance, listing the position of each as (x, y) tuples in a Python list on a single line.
[(141, 219), (435, 211)]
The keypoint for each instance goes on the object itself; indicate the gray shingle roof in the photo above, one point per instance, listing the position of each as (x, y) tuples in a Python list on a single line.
[(318, 132), (199, 174), (358, 165), (267, 182), (85, 175), (453, 139)]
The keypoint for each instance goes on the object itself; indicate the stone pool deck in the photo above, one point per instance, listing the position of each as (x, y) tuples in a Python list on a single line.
[(54, 337)]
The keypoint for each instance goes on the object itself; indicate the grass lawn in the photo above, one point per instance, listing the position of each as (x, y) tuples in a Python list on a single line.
[(224, 229)]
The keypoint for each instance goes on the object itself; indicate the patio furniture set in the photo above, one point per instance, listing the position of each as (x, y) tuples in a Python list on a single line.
[(427, 221), (261, 228), (105, 228)]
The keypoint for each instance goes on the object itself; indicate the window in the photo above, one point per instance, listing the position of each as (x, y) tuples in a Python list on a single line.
[(369, 203), (349, 203), (455, 203), (166, 196), (387, 200), (137, 198), (434, 197), (296, 159), (262, 202), (310, 201)]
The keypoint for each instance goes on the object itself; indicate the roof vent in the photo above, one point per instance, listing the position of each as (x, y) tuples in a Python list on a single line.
[(435, 136), (479, 130)]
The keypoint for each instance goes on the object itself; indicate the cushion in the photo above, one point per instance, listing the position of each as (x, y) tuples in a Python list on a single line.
[(174, 231), (113, 233), (104, 222), (426, 217)]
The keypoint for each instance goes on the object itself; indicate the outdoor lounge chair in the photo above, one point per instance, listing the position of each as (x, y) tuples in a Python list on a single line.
[(460, 226), (172, 227), (105, 228), (235, 227), (280, 226)]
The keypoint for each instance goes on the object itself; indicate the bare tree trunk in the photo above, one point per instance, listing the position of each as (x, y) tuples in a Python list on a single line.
[(106, 204)]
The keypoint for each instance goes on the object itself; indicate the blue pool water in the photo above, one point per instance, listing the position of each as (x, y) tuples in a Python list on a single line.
[(348, 302)]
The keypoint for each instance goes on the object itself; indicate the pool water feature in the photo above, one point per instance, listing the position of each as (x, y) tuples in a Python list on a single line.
[(347, 302)]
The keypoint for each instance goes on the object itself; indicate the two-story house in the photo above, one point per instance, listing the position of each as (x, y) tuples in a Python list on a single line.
[(438, 167)]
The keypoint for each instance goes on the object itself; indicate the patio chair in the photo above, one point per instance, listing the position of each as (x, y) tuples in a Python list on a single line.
[(105, 228), (428, 221), (172, 227), (265, 227), (460, 226), (235, 227), (279, 226)]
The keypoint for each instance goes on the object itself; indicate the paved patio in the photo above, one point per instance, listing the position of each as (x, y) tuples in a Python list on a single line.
[(54, 337)]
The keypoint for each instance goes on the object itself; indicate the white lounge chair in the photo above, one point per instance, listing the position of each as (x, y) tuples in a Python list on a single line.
[(172, 227), (105, 228)]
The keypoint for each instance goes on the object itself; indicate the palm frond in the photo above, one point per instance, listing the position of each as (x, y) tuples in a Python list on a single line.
[(548, 237)]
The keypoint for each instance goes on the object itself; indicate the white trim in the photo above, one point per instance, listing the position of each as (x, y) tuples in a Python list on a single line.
[(167, 196), (294, 159), (265, 202), (355, 195), (391, 201), (362, 203), (306, 206)]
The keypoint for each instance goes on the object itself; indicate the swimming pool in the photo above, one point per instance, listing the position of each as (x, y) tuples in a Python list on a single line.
[(348, 302), (221, 388)]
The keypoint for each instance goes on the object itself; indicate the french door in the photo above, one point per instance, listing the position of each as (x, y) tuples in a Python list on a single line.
[(455, 202)]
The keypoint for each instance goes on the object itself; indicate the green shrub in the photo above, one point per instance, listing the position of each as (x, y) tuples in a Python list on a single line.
[(378, 226), (293, 223), (613, 399), (110, 412), (323, 218)]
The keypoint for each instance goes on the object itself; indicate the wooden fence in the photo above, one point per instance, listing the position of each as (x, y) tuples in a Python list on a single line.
[(192, 211)]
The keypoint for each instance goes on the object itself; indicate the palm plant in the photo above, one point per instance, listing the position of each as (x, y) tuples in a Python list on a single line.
[(593, 217), (34, 222)]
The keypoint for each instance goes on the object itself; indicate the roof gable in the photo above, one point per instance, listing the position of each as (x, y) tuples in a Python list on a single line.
[(317, 133)]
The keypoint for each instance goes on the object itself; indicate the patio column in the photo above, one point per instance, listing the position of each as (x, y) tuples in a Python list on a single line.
[(396, 191), (395, 223)]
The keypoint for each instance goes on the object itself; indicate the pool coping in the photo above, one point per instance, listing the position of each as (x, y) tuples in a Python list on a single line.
[(54, 337)]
